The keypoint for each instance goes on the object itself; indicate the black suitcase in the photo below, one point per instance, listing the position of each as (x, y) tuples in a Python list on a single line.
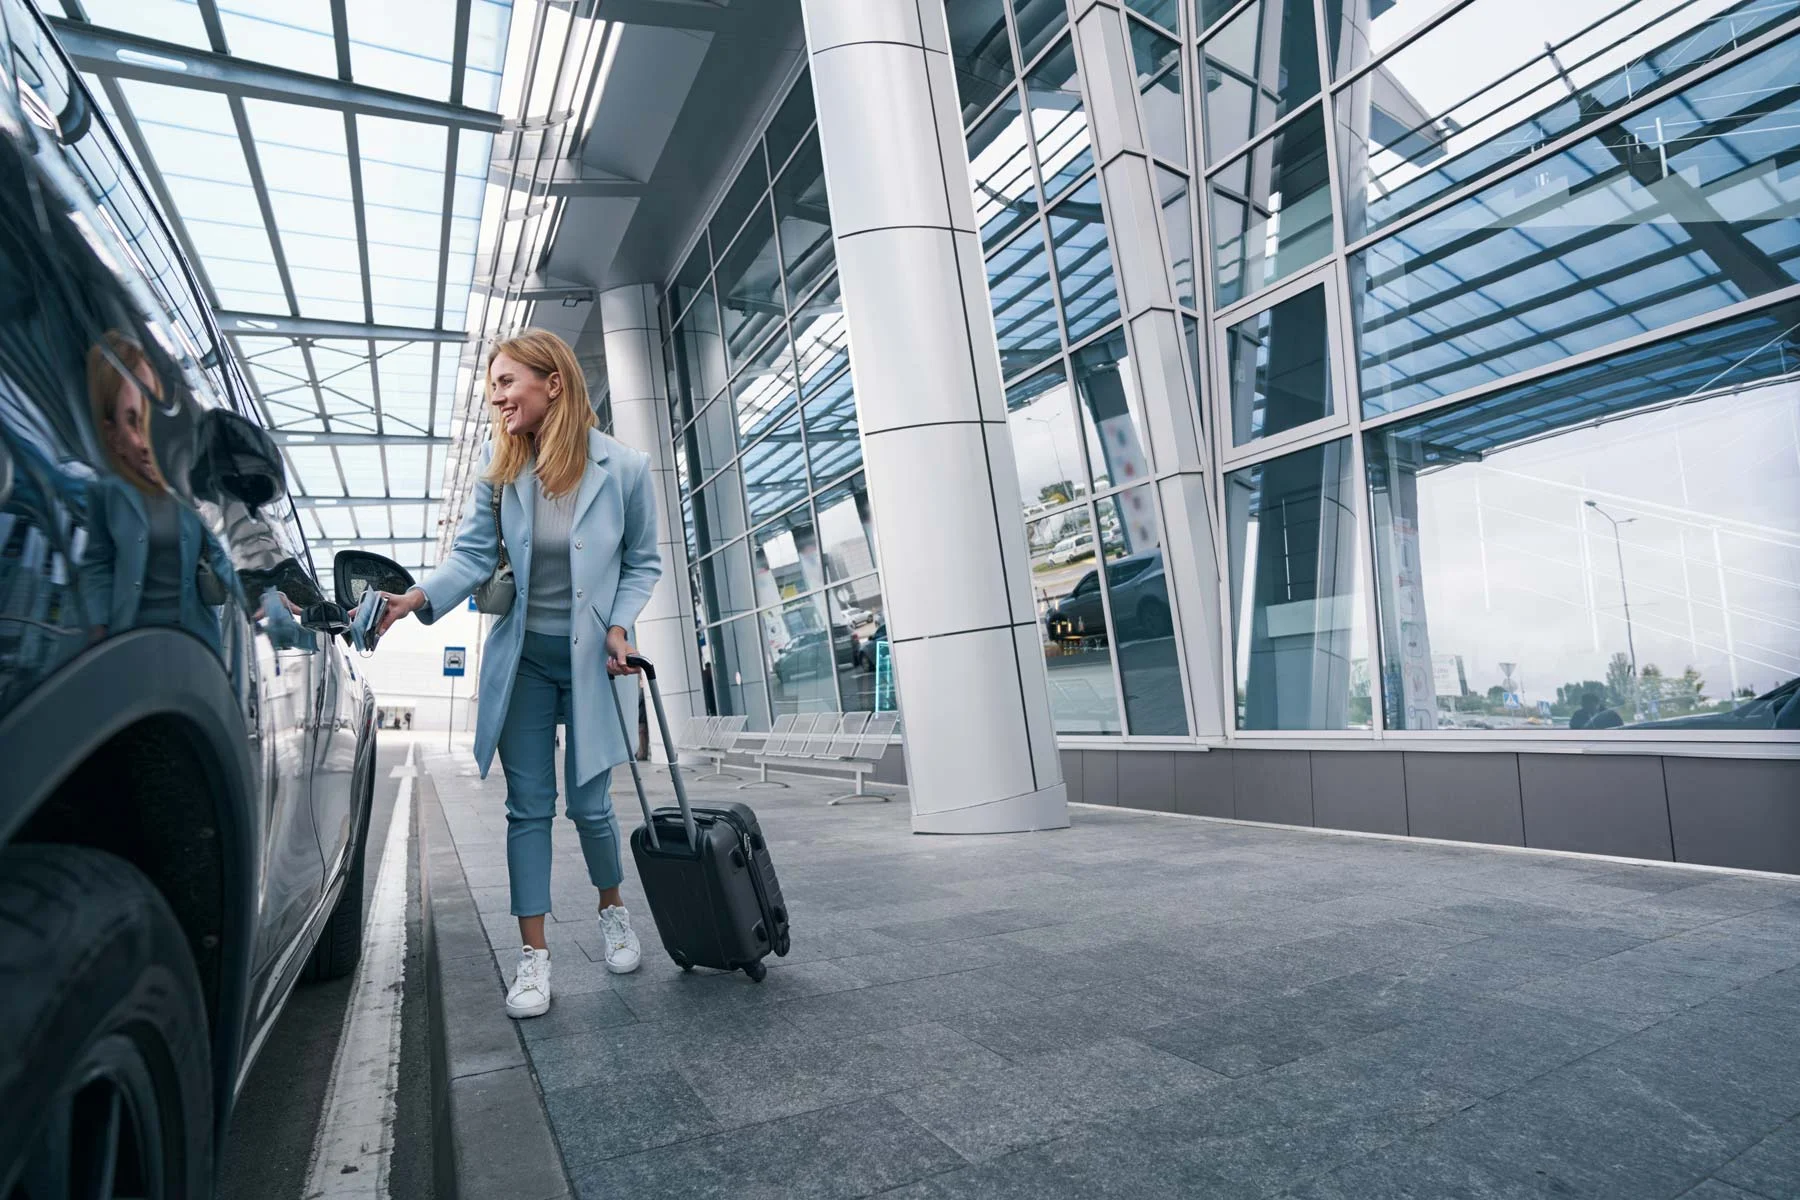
[(719, 906)]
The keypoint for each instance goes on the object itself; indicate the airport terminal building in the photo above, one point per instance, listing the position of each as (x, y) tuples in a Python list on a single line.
[(1380, 416)]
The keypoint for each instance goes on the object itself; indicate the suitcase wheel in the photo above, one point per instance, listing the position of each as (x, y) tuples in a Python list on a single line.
[(681, 961), (756, 971)]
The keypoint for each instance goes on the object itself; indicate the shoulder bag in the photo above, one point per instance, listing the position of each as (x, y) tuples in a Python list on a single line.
[(496, 593)]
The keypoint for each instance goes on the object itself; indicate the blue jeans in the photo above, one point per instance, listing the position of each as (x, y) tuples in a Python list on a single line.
[(540, 699)]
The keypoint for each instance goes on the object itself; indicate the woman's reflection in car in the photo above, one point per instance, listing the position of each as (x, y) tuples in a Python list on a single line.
[(149, 559)]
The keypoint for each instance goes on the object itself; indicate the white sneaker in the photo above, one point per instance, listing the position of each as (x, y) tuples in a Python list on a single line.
[(529, 995), (623, 951)]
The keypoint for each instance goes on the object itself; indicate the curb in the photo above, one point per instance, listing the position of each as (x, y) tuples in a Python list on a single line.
[(490, 1132)]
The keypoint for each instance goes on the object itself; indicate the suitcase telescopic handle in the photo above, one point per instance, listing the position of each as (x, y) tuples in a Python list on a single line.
[(687, 813)]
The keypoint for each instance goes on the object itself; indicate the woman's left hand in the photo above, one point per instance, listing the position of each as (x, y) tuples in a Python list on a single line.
[(618, 646)]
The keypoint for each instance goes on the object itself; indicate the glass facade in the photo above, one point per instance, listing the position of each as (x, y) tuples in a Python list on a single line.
[(1493, 332)]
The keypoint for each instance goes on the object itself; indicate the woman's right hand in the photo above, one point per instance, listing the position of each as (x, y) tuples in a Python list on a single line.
[(399, 606)]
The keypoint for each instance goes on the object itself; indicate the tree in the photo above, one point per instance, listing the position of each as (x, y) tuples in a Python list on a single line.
[(1618, 679), (1568, 696), (1652, 689)]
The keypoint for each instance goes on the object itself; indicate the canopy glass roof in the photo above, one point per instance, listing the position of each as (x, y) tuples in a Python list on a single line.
[(324, 165)]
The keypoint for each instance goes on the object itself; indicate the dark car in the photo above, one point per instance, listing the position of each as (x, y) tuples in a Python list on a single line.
[(188, 751), (1777, 709), (1140, 602)]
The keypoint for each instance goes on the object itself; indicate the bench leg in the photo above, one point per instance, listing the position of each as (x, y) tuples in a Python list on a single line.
[(718, 771), (860, 793), (764, 781)]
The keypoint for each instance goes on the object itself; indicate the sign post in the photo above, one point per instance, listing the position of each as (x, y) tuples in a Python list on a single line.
[(454, 659)]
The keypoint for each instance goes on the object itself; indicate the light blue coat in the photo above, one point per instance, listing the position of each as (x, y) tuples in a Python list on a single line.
[(116, 558), (613, 567)]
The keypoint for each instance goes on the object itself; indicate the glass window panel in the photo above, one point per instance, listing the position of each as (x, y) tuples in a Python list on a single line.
[(846, 530), (1040, 413), (1260, 66), (1065, 581), (775, 470), (1024, 310), (1178, 228), (1038, 23), (295, 36), (791, 121), (691, 278), (1006, 195), (1279, 367), (1143, 624), (710, 442), (833, 445), (739, 201), (1058, 120), (802, 657), (1646, 222), (732, 670), (1272, 210), (786, 557), (821, 336), (165, 20), (1166, 13), (1109, 400), (699, 357), (981, 53), (1411, 131), (865, 668), (727, 585), (1296, 601), (1090, 297), (1208, 12), (1616, 545), (1158, 62), (749, 280), (766, 391), (804, 219)]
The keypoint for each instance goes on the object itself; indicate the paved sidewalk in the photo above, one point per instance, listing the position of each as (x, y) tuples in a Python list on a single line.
[(1146, 1005)]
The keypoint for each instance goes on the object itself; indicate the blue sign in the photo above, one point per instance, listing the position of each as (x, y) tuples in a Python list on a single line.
[(455, 657), (472, 607), (1511, 700)]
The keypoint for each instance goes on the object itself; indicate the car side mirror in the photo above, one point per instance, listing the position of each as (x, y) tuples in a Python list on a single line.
[(354, 572), (238, 459), (325, 617)]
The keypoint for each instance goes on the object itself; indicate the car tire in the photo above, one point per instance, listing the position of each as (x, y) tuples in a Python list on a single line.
[(339, 947), (105, 1050)]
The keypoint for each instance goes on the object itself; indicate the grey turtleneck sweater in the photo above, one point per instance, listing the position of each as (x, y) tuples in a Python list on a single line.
[(549, 595)]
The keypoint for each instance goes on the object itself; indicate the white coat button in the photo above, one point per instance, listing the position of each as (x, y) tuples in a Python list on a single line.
[(140, 539), (576, 639), (579, 593), (578, 543)]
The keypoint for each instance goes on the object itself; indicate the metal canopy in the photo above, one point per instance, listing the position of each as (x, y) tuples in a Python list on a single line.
[(324, 166)]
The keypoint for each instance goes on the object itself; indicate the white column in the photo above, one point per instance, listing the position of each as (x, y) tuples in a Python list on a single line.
[(640, 408), (981, 752), (1176, 440)]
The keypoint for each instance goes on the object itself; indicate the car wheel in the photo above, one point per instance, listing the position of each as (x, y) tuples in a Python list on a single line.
[(103, 1030), (339, 947), (1153, 620)]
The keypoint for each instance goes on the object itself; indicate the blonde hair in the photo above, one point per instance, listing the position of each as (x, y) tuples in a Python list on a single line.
[(561, 441), (105, 382)]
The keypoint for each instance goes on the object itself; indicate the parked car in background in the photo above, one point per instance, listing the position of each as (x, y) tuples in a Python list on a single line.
[(189, 752)]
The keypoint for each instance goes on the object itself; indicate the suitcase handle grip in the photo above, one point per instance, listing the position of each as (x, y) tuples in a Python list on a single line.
[(687, 814)]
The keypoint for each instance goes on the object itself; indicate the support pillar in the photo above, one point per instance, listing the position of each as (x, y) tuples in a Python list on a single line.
[(981, 753), (640, 408)]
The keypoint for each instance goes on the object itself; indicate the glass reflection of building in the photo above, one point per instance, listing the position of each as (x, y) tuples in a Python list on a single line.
[(1492, 324)]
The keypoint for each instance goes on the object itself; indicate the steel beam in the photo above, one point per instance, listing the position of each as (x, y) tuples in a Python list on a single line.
[(563, 181), (285, 437), (112, 53), (365, 501), (244, 324), (372, 540)]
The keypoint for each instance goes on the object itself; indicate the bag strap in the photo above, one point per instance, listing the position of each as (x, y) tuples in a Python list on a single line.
[(499, 536)]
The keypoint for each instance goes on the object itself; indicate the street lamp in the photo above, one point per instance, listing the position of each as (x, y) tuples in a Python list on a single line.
[(1624, 597)]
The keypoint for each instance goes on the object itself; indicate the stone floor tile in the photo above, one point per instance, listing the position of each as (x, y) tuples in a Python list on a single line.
[(1770, 1168), (853, 1150), (1405, 1170), (624, 1115)]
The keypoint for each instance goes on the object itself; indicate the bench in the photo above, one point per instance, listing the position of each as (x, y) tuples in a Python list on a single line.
[(711, 738), (825, 742)]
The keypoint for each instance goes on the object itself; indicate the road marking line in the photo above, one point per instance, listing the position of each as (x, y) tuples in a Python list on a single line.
[(352, 1153)]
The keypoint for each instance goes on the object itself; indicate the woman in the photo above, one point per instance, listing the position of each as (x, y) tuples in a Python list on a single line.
[(578, 518), (149, 560)]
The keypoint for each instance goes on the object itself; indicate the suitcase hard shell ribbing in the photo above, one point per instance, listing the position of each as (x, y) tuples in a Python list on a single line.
[(706, 871)]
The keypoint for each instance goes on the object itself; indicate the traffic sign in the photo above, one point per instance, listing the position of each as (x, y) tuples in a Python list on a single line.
[(454, 659)]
